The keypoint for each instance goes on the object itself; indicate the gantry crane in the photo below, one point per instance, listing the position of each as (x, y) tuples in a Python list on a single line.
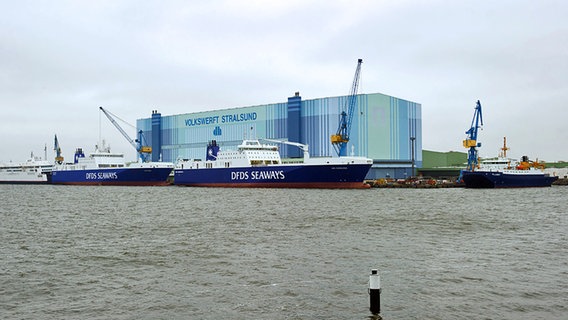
[(341, 138), (471, 140), (138, 144)]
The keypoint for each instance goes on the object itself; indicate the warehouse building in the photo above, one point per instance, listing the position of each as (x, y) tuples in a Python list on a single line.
[(383, 128)]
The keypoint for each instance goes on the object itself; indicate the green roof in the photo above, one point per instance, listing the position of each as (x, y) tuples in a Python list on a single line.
[(435, 159)]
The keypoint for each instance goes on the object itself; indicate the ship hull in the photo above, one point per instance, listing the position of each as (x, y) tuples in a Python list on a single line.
[(336, 176), (497, 179), (113, 177), (44, 178), (24, 182)]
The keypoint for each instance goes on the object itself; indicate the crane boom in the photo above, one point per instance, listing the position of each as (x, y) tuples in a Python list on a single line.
[(143, 151), (303, 147), (471, 140), (341, 138)]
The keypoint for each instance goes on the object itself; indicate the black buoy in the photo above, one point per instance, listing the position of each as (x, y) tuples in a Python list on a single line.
[(375, 291)]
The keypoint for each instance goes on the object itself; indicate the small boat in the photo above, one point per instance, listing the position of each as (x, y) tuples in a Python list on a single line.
[(103, 167), (33, 171), (503, 172), (258, 165)]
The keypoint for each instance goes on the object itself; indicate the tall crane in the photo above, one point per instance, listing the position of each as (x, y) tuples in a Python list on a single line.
[(57, 148), (471, 140), (138, 144), (340, 139)]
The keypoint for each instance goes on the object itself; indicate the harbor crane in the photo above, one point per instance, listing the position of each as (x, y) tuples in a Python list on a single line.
[(341, 138), (471, 140), (138, 144), (57, 148)]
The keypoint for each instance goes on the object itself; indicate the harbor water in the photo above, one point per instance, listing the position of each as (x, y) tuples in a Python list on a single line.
[(70, 252)]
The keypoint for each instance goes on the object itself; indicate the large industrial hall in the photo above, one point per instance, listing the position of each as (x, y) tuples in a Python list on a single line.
[(383, 128)]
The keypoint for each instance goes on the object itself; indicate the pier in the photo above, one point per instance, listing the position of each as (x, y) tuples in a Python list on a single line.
[(420, 183), (417, 183)]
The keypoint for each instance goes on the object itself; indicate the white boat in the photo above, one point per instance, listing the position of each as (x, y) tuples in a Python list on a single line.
[(34, 171)]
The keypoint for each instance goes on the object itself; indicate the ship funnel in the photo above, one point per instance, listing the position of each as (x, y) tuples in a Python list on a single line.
[(212, 150), (78, 154)]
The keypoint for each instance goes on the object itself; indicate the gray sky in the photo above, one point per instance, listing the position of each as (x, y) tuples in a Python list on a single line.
[(61, 60)]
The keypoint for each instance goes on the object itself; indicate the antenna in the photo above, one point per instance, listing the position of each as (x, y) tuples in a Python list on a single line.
[(504, 147), (100, 127)]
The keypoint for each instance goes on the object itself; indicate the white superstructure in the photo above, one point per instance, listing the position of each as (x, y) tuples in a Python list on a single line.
[(103, 158), (511, 166), (252, 152), (34, 170)]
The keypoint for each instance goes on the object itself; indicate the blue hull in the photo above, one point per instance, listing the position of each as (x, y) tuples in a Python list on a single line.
[(494, 179), (285, 176), (113, 176)]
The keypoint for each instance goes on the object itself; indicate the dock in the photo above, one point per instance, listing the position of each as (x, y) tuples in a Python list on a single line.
[(416, 183), (430, 183)]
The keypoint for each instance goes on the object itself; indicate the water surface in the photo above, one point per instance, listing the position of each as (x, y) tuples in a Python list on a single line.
[(73, 252)]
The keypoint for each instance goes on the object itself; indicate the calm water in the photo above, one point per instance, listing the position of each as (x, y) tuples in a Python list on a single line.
[(189, 253)]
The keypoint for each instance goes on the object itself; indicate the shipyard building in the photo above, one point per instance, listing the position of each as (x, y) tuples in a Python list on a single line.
[(383, 128)]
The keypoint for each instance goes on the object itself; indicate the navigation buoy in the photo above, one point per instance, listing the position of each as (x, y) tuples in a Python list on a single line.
[(375, 291)]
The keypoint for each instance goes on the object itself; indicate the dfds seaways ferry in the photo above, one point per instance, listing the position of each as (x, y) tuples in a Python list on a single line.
[(259, 165), (103, 167)]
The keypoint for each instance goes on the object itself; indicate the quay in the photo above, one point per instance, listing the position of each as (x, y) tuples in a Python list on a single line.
[(416, 183), (420, 183)]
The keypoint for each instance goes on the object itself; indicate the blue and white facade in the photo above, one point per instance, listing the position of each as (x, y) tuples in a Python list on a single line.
[(385, 129)]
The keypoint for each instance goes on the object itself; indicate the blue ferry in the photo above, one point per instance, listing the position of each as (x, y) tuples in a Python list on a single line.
[(104, 167), (258, 165), (504, 172)]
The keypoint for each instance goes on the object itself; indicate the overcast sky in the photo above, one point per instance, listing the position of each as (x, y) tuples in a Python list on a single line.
[(61, 60)]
